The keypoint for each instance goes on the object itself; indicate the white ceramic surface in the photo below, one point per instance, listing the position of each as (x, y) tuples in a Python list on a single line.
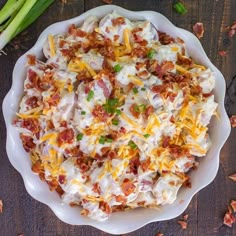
[(121, 222)]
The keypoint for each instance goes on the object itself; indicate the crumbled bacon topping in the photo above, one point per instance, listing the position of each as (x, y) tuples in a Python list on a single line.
[(104, 206), (233, 177), (1, 206), (165, 38), (66, 136), (233, 121), (229, 219), (100, 113), (27, 142), (198, 29), (118, 21), (127, 187), (233, 205), (183, 224)]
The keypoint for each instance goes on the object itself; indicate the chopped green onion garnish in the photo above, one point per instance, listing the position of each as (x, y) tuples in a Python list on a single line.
[(140, 108), (132, 144), (83, 112), (79, 137), (135, 90), (143, 89), (118, 112), (112, 101), (151, 53), (90, 95), (117, 68), (146, 135), (102, 140), (115, 122), (180, 8), (109, 140)]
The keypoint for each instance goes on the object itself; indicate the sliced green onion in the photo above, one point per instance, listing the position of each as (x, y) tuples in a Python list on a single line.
[(79, 137), (112, 101), (118, 112), (115, 122), (117, 68), (9, 9), (135, 90), (8, 33), (83, 112), (90, 95), (37, 10), (132, 144), (102, 140), (180, 8), (109, 140), (151, 53), (146, 135), (140, 108), (143, 89)]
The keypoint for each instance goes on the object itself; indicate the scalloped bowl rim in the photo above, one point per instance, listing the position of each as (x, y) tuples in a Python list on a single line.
[(121, 222)]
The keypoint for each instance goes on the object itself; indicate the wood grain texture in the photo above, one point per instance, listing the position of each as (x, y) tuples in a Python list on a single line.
[(23, 214)]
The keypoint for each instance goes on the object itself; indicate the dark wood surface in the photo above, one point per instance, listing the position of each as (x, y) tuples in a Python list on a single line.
[(23, 214)]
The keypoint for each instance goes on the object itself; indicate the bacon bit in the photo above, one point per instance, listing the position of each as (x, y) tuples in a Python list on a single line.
[(103, 86), (54, 99), (59, 190), (118, 21), (166, 142), (37, 167), (84, 212), (107, 1), (163, 68), (61, 179), (159, 234), (185, 217), (31, 59), (229, 219), (233, 177), (104, 206), (134, 165), (183, 224), (133, 111), (165, 38), (96, 188), (116, 37), (233, 124), (53, 184), (159, 88), (120, 199), (100, 113), (122, 130), (172, 119), (233, 205), (127, 187), (198, 29), (32, 102), (31, 124), (139, 52), (66, 136), (27, 142), (148, 111), (1, 206), (145, 164), (184, 61), (231, 33), (222, 53), (76, 31)]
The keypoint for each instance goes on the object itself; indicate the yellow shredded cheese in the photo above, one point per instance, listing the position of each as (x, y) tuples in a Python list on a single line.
[(126, 40), (51, 45)]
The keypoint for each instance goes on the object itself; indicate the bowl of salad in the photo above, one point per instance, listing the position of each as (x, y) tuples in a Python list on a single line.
[(117, 119)]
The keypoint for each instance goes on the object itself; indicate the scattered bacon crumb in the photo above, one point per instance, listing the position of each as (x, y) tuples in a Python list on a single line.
[(183, 224), (107, 1), (229, 219), (1, 206), (233, 177), (185, 217), (231, 33), (233, 121), (198, 29), (159, 234), (233, 205), (222, 53)]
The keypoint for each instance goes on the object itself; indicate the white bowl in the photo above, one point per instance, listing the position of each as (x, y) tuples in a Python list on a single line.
[(120, 222)]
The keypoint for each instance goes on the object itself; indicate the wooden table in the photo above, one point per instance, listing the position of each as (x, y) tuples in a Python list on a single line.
[(23, 214)]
